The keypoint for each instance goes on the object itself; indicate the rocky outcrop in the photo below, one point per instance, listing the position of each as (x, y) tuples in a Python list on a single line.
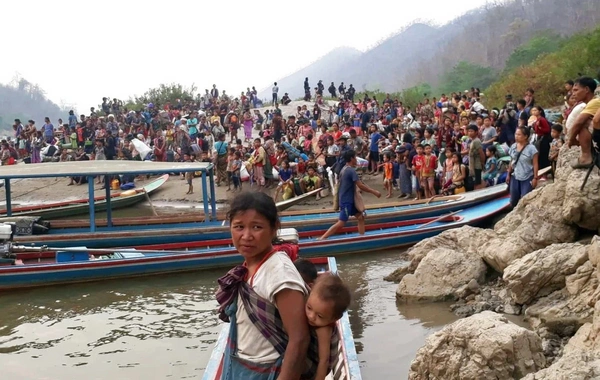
[(463, 239), (565, 310), (455, 271), (484, 346), (581, 358), (544, 270)]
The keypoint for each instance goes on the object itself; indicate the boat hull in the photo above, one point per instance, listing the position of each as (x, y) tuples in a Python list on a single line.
[(82, 206), (155, 235), (31, 275)]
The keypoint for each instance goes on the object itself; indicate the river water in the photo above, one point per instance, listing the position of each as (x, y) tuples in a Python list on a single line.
[(164, 327)]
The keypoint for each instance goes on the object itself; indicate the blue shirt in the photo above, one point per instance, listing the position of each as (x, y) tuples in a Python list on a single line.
[(72, 121), (285, 174), (375, 137), (348, 178), (523, 170), (48, 129)]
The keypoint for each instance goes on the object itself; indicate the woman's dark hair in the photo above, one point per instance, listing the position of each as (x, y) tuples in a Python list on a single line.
[(570, 82), (525, 130), (492, 149), (429, 130), (407, 138), (257, 201), (541, 109)]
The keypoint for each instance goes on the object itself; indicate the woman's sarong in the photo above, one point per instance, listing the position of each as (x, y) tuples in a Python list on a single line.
[(248, 128)]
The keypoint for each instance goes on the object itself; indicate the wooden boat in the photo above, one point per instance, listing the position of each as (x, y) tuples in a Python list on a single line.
[(158, 234), (81, 206), (284, 205), (66, 265), (345, 366)]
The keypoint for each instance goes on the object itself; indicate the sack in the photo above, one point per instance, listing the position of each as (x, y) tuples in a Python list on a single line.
[(336, 197)]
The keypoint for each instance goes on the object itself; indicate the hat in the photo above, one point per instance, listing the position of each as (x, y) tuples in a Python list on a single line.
[(342, 137)]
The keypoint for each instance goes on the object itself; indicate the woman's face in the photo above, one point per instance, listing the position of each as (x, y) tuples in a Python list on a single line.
[(252, 234), (535, 112), (520, 136)]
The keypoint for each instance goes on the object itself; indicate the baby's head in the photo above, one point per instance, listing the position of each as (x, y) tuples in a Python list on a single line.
[(327, 301), (307, 270)]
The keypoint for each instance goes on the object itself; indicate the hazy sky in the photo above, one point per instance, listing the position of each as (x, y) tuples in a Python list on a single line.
[(79, 51)]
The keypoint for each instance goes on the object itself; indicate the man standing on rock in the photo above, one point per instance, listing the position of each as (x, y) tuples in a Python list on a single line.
[(586, 128), (349, 182)]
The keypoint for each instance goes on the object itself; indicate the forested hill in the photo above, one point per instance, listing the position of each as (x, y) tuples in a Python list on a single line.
[(24, 100), (420, 53)]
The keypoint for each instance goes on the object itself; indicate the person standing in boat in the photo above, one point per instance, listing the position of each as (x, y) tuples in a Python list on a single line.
[(349, 183), (263, 299)]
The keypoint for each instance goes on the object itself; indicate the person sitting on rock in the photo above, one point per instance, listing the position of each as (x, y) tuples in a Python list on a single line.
[(587, 124)]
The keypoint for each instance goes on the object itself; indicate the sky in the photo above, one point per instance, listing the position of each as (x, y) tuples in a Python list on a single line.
[(80, 51)]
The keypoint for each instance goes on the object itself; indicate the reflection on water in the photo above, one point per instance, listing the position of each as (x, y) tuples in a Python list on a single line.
[(165, 326)]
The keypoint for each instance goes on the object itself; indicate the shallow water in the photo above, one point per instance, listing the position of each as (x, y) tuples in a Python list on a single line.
[(165, 326)]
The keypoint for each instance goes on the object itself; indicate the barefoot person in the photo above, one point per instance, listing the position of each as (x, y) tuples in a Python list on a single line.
[(264, 300), (348, 182), (584, 131)]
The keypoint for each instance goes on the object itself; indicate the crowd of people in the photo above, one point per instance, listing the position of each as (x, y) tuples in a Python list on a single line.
[(444, 145)]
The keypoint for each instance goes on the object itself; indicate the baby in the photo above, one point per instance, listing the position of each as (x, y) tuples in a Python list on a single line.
[(328, 300)]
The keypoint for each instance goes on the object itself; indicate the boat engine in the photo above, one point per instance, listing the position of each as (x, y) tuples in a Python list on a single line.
[(7, 231)]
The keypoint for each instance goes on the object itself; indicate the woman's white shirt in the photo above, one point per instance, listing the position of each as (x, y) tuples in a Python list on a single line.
[(274, 275)]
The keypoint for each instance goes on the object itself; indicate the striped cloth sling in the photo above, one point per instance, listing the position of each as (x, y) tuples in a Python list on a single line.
[(265, 317)]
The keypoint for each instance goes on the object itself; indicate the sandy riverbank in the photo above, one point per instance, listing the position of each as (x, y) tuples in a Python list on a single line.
[(170, 198)]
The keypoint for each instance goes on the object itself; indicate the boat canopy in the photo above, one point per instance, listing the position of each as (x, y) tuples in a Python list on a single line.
[(107, 168)]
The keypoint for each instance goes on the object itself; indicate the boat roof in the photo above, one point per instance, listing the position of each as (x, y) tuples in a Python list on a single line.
[(97, 168)]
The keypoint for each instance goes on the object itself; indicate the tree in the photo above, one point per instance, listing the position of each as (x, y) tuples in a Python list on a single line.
[(466, 75), (542, 43), (162, 94)]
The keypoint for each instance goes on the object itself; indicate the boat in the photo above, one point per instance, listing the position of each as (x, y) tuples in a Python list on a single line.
[(191, 232), (346, 365), (81, 206), (48, 266), (284, 205)]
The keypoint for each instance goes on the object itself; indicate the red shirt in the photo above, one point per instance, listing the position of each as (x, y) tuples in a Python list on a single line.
[(429, 165), (417, 162)]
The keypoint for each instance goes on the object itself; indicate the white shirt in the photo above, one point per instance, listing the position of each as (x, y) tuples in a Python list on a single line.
[(274, 275), (477, 107), (573, 117), (275, 89)]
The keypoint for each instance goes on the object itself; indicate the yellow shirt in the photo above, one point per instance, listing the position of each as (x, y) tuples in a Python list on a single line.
[(592, 107), (214, 118)]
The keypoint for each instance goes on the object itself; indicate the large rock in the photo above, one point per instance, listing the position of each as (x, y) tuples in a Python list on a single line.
[(441, 275), (581, 206), (465, 239), (484, 346), (535, 223), (543, 270), (565, 310), (581, 357)]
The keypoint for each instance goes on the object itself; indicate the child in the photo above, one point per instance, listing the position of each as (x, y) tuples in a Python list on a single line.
[(307, 270), (387, 173), (555, 145), (189, 175), (447, 173), (311, 181), (285, 174), (326, 303), (236, 166), (428, 172), (230, 159), (491, 166), (459, 173), (417, 166)]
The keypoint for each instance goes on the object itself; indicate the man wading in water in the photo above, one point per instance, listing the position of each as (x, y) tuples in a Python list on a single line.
[(349, 182)]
